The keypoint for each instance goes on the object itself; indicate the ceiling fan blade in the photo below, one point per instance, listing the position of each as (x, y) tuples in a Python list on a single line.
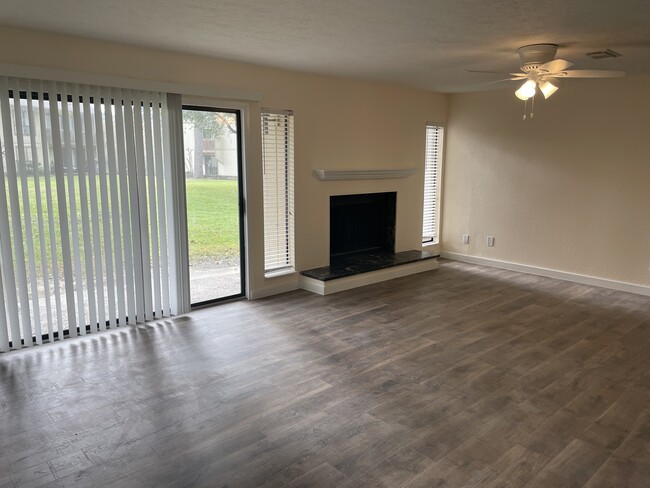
[(502, 80), (488, 72), (556, 65), (591, 73), (487, 84)]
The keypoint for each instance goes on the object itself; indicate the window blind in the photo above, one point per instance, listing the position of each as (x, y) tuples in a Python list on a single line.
[(277, 161), (432, 168), (84, 212)]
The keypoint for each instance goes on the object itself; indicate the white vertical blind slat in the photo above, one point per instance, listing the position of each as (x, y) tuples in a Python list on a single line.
[(160, 187), (22, 304), (50, 214), (135, 212), (121, 108), (89, 131), (153, 211), (141, 177), (41, 226), (105, 212), (10, 294), (115, 214), (35, 319), (82, 174), (69, 163)]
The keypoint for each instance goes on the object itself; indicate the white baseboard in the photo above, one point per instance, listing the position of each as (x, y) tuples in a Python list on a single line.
[(347, 283), (550, 273), (267, 291)]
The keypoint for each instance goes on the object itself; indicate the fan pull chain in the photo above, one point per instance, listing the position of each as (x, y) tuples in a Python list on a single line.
[(532, 106), (525, 104)]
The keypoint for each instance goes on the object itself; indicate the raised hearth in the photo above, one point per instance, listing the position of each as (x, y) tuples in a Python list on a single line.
[(363, 263), (360, 270)]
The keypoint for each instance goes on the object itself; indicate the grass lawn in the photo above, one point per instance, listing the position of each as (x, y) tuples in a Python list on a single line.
[(212, 208), (212, 218)]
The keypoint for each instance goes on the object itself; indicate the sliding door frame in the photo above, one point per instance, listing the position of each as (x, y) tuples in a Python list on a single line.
[(243, 112)]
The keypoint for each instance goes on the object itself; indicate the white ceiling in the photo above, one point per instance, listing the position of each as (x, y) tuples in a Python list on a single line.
[(422, 43)]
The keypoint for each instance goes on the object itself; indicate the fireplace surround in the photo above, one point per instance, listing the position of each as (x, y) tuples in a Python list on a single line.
[(362, 245)]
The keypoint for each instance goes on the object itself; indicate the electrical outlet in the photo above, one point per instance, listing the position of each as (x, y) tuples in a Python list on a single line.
[(465, 238), (490, 241)]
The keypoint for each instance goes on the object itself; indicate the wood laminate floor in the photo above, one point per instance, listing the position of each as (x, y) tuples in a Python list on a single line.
[(463, 377)]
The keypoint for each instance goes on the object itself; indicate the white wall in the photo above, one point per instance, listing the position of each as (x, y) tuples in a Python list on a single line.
[(568, 190), (339, 124)]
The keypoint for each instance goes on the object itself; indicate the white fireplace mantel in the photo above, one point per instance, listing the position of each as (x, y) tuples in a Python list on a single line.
[(362, 174)]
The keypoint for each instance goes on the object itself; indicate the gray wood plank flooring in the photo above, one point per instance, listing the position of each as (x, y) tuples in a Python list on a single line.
[(467, 376)]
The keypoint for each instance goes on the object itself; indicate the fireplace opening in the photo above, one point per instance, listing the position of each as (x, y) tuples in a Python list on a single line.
[(362, 224)]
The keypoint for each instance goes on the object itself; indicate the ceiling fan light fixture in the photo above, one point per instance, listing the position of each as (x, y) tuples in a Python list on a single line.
[(549, 86), (527, 90)]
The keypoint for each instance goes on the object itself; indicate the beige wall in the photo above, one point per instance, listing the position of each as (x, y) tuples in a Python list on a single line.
[(568, 190), (339, 124)]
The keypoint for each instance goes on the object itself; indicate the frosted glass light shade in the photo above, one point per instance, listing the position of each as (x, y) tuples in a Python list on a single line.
[(549, 87), (526, 90)]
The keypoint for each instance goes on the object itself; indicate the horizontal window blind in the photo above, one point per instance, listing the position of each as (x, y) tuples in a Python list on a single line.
[(84, 215), (432, 168), (277, 160)]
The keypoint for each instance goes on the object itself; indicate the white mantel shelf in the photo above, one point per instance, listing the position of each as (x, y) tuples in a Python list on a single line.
[(362, 174)]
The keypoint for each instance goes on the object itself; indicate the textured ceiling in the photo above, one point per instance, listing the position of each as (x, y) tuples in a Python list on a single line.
[(426, 44)]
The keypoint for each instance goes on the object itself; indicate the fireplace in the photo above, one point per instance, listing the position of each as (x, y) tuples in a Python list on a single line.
[(362, 245), (362, 224)]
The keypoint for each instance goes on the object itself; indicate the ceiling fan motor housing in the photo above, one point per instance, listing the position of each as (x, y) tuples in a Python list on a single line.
[(534, 55)]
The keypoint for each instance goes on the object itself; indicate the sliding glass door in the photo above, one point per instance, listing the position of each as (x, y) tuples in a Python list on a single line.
[(212, 157), (92, 234)]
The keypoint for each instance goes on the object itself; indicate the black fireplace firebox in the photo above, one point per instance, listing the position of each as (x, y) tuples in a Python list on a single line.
[(363, 223)]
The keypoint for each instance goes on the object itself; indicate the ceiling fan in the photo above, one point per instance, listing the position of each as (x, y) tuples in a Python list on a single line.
[(540, 70)]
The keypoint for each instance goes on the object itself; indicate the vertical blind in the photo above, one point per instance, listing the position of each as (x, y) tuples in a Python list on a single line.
[(277, 160), (84, 209), (432, 168)]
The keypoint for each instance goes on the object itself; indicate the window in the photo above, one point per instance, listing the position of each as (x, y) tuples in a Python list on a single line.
[(277, 163), (432, 169)]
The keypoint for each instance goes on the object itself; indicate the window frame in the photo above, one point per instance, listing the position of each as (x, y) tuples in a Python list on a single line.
[(434, 239), (243, 257), (288, 170)]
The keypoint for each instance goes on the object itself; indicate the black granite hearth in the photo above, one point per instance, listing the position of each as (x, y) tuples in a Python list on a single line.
[(363, 263)]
